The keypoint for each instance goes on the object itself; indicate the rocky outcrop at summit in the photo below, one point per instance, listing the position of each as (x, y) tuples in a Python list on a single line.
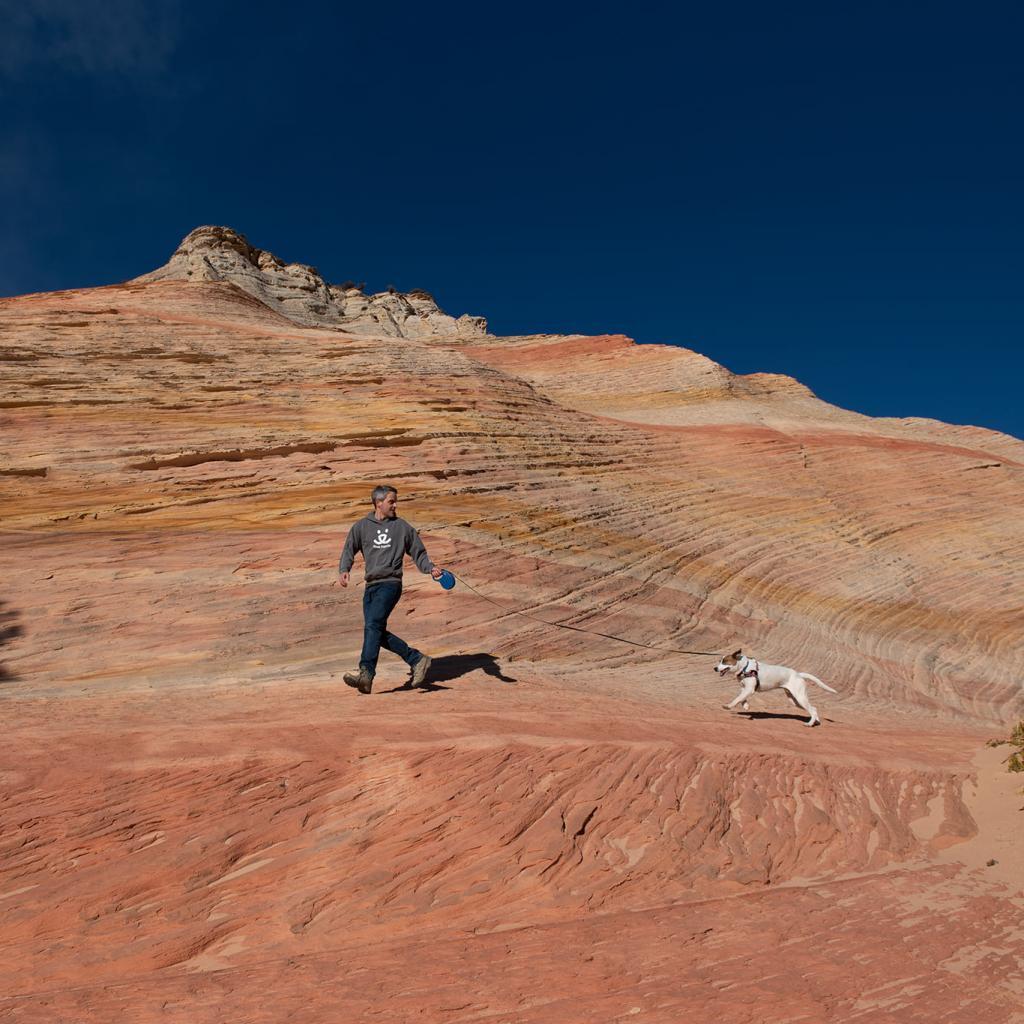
[(299, 292)]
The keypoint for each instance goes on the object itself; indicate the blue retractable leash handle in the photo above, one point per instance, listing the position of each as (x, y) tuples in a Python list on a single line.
[(447, 580)]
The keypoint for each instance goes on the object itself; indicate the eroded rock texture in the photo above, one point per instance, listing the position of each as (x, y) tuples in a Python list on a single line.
[(197, 814), (302, 295)]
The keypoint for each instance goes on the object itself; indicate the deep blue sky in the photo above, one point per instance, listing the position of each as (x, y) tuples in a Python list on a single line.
[(831, 191)]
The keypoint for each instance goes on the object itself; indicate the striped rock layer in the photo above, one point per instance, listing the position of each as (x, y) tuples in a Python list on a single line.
[(196, 810)]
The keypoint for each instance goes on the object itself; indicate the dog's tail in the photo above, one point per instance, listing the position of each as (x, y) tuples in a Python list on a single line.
[(815, 679)]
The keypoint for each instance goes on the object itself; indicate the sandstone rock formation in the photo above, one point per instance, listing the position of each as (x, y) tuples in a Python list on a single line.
[(302, 295), (196, 812)]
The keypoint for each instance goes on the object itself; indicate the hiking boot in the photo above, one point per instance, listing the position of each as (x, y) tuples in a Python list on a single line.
[(361, 680), (419, 671)]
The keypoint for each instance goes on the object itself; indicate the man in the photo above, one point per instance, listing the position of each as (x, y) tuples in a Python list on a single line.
[(384, 540)]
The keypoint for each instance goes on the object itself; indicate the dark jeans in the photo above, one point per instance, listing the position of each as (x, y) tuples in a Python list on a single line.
[(379, 600)]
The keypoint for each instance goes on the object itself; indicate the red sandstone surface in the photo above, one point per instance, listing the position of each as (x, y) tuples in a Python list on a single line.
[(200, 822)]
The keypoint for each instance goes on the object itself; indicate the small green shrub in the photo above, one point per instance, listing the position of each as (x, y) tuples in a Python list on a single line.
[(1015, 761)]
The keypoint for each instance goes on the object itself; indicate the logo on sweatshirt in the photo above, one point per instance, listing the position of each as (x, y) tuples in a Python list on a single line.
[(383, 541)]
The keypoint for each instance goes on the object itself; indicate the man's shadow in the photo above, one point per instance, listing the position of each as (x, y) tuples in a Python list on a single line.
[(451, 666), (10, 630)]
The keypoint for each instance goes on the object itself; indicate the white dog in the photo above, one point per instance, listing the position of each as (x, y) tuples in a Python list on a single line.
[(753, 676)]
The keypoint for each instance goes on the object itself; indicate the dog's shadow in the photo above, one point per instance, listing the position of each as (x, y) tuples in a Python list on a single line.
[(778, 714)]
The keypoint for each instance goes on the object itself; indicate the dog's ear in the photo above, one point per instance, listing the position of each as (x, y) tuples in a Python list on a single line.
[(737, 654)]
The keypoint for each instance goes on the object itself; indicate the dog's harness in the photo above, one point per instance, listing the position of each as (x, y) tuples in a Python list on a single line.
[(749, 673)]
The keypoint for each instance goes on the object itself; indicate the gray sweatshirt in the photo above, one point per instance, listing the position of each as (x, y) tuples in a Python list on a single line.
[(384, 544)]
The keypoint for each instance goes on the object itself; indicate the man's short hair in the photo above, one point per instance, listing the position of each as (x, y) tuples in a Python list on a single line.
[(380, 492)]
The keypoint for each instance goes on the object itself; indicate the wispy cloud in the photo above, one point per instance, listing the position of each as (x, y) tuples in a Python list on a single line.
[(88, 37)]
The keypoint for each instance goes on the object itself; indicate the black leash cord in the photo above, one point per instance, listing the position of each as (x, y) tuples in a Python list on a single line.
[(580, 629)]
